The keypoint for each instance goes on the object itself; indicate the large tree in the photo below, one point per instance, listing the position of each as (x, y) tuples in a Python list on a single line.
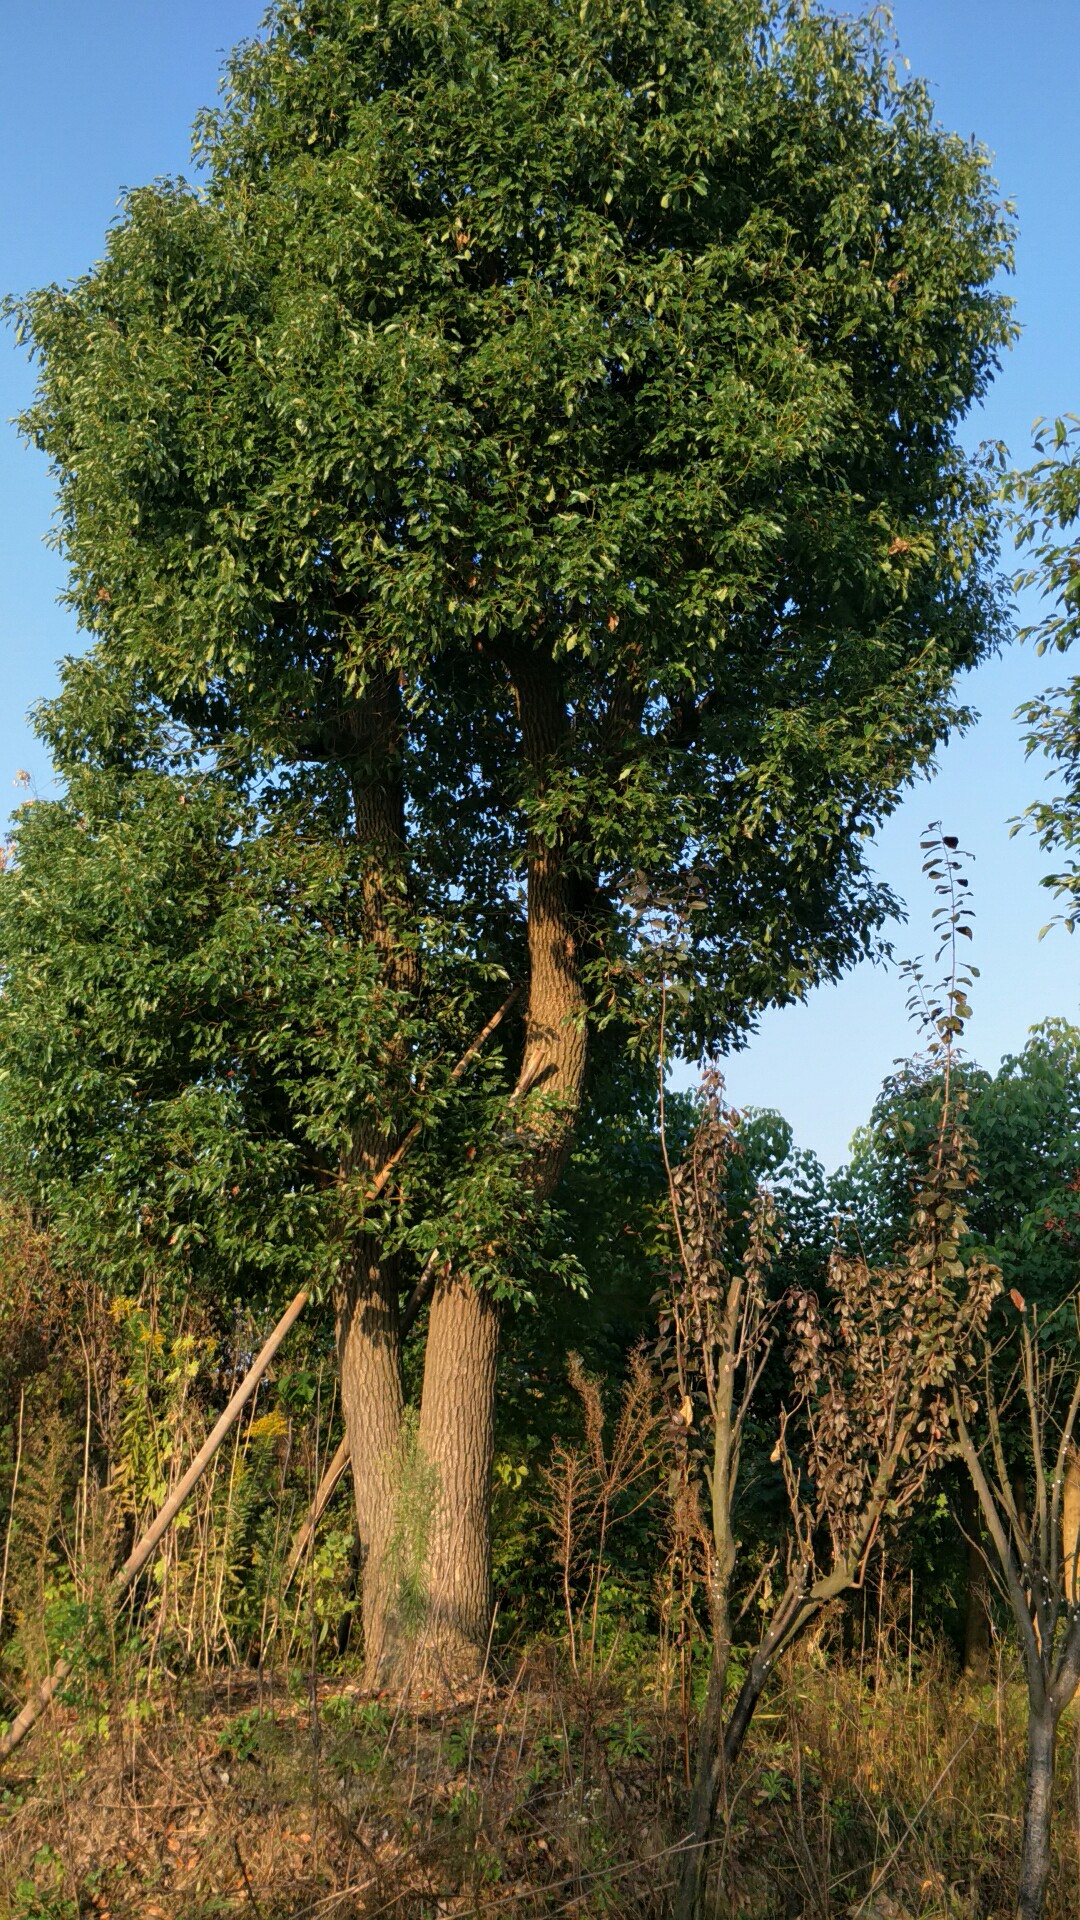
[(526, 470)]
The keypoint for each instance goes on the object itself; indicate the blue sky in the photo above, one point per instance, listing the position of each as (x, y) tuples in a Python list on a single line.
[(100, 94)]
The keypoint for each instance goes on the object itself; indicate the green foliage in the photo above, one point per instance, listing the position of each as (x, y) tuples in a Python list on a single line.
[(1045, 504), (664, 396), (415, 1493), (242, 1737), (43, 1897), (191, 1031), (103, 1405), (1025, 1124)]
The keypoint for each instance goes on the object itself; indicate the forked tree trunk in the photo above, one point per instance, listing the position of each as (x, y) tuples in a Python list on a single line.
[(758, 1675), (1038, 1806)]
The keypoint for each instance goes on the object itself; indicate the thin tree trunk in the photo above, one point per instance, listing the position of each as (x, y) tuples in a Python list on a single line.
[(1038, 1804), (324, 1493), (745, 1706), (795, 1614), (976, 1591), (710, 1764), (708, 1779), (1070, 1527)]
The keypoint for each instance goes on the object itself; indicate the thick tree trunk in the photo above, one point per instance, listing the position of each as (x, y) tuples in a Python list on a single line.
[(367, 1303), (457, 1414), (1038, 1803), (456, 1442), (369, 1363)]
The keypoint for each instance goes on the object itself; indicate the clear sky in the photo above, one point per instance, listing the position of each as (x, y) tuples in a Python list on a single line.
[(97, 95)]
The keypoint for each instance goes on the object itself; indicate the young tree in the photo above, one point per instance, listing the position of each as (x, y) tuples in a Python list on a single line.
[(877, 1366), (1036, 1554), (872, 1368), (526, 468), (1024, 1121)]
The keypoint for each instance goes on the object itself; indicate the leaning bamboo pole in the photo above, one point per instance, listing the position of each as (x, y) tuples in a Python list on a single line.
[(144, 1547), (324, 1493)]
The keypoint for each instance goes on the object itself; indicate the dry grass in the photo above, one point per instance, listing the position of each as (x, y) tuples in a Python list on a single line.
[(872, 1797)]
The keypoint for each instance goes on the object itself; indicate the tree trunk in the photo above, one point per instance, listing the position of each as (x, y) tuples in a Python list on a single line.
[(457, 1413), (456, 1442), (369, 1363), (795, 1614), (708, 1779), (709, 1768), (976, 1591), (742, 1712), (367, 1302), (1038, 1804)]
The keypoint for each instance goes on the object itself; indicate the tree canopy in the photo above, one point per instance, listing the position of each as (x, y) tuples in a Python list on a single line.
[(633, 338)]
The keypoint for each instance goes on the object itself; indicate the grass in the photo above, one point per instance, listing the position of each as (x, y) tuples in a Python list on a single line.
[(873, 1795)]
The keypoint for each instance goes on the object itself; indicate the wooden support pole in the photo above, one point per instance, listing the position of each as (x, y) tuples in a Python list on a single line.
[(324, 1493), (144, 1547), (456, 1072)]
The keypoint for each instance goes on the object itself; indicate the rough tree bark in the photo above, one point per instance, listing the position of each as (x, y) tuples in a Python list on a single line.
[(456, 1440), (367, 1298), (369, 1362), (457, 1412), (1038, 1797)]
